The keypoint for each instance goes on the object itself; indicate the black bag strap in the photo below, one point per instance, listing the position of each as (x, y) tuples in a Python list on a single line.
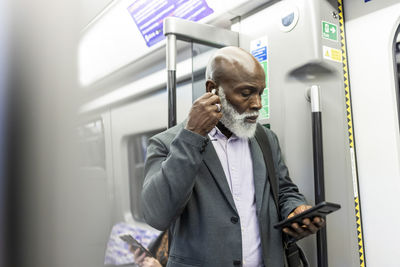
[(294, 254), (263, 142)]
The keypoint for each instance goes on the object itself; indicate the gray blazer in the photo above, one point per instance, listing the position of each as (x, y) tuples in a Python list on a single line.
[(186, 189)]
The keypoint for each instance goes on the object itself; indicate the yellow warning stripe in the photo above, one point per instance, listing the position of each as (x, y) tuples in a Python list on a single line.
[(351, 139)]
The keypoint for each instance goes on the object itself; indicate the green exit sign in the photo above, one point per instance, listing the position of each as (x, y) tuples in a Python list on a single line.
[(329, 31)]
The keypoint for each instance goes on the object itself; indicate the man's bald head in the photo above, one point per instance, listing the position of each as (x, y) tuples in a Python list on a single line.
[(232, 62), (239, 80)]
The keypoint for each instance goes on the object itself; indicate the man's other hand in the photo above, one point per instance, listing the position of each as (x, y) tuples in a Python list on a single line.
[(307, 228), (143, 261), (204, 114), (137, 255), (150, 262)]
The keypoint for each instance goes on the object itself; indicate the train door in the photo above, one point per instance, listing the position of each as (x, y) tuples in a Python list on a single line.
[(300, 44), (373, 68)]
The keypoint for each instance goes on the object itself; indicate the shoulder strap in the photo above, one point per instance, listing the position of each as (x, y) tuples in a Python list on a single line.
[(263, 142), (294, 254)]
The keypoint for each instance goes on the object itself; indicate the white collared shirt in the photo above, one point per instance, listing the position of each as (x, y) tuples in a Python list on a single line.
[(236, 160)]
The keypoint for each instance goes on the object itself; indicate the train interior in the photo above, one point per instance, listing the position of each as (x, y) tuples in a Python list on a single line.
[(121, 101)]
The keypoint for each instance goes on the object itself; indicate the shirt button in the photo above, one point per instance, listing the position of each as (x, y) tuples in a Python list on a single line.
[(237, 262), (234, 220)]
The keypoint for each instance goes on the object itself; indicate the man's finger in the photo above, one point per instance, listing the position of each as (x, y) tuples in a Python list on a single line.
[(135, 252), (139, 259), (204, 97), (295, 226), (310, 226), (209, 102), (290, 232), (213, 100), (208, 95), (319, 222)]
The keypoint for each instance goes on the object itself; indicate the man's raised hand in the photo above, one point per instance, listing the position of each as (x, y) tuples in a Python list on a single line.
[(204, 114)]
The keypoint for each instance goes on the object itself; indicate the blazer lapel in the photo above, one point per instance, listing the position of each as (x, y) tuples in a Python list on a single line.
[(214, 165), (259, 172)]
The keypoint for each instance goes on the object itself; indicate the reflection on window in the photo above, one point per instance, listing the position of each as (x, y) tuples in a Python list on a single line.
[(137, 147), (92, 144)]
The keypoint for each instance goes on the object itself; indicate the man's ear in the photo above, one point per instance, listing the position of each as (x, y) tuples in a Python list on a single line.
[(210, 85)]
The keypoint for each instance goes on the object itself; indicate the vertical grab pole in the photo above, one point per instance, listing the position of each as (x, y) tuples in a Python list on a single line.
[(171, 80), (318, 159)]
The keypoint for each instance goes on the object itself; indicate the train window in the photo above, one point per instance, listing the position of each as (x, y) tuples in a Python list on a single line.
[(137, 146), (92, 144), (396, 53)]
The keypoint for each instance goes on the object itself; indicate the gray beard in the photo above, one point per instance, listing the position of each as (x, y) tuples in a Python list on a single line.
[(234, 121)]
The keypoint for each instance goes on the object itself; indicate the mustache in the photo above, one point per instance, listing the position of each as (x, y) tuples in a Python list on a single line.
[(245, 115)]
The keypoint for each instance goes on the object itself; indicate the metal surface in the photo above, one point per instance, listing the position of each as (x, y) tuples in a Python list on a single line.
[(318, 155), (200, 33), (171, 78), (171, 89), (315, 99), (318, 158), (319, 180), (171, 52), (313, 96)]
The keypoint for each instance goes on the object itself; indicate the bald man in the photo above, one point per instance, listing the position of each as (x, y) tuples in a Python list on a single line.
[(206, 178)]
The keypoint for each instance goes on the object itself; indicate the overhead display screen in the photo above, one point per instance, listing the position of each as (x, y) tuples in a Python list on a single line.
[(149, 15)]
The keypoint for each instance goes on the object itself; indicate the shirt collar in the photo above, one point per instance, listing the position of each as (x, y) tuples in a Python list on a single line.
[(216, 133)]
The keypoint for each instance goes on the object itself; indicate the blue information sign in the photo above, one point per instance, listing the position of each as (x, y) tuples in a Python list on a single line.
[(150, 14), (260, 53)]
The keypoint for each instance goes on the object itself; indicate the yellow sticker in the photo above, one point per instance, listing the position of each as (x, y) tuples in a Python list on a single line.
[(332, 54)]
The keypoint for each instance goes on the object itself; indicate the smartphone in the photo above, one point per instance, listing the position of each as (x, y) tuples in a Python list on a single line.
[(320, 210), (135, 244)]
